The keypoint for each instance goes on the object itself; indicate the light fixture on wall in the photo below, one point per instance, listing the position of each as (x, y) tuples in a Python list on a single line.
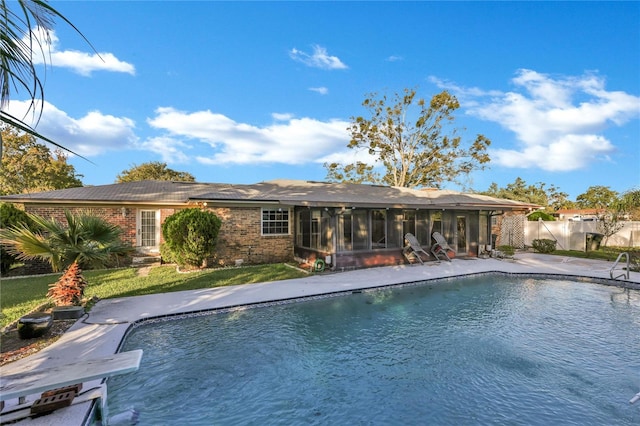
[(123, 211)]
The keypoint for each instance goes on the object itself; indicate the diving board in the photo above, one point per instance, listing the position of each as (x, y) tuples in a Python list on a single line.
[(19, 385)]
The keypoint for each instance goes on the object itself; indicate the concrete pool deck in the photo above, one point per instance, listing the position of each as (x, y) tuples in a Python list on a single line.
[(100, 332)]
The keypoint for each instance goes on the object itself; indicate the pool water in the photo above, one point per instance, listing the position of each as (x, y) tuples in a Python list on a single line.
[(489, 349)]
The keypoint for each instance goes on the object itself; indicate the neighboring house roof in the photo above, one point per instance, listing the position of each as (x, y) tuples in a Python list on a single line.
[(567, 212), (286, 192)]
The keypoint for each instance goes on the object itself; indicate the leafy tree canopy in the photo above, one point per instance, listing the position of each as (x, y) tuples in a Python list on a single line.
[(422, 152), (153, 170), (629, 204), (597, 197), (550, 198), (28, 166)]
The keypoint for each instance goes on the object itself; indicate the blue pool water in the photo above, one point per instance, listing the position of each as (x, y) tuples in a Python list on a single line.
[(479, 350)]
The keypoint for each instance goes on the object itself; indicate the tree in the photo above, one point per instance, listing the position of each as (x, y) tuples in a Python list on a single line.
[(597, 197), (25, 28), (153, 170), (410, 153), (629, 204), (86, 239), (540, 215), (190, 236), (28, 166), (550, 198)]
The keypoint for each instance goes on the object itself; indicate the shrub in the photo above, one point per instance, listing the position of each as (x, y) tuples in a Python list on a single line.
[(540, 215), (544, 245), (190, 236), (10, 216), (89, 240), (507, 250)]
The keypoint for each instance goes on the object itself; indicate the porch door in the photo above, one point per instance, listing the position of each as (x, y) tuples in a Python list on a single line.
[(149, 230), (461, 235)]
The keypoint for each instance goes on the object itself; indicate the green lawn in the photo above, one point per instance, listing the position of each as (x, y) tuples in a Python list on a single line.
[(604, 253), (19, 296)]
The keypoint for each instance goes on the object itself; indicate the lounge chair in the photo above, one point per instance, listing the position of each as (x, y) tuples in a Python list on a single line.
[(441, 247), (413, 249)]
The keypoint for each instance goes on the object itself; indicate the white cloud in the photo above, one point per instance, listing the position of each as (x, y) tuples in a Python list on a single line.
[(282, 116), (318, 59), (349, 156), (170, 149), (321, 90), (567, 153), (91, 135), (557, 120), (394, 58), (81, 62), (289, 141)]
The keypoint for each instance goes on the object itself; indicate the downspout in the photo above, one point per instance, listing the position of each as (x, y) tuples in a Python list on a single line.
[(491, 215)]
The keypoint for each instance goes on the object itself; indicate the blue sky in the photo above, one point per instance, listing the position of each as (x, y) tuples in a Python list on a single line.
[(243, 92)]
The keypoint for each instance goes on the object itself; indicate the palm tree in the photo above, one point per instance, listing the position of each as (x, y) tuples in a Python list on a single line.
[(25, 27), (87, 239)]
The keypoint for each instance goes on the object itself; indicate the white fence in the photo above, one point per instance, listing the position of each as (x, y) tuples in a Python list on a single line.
[(572, 235)]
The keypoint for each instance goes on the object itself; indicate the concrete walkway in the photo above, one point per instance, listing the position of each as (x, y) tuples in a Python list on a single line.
[(101, 331)]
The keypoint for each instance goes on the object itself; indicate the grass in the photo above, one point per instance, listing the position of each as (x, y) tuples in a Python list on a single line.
[(607, 253), (19, 296)]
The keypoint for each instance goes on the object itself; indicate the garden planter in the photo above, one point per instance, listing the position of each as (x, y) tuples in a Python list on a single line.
[(34, 325), (67, 312)]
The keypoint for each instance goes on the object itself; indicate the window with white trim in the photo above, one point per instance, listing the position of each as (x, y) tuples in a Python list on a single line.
[(275, 221)]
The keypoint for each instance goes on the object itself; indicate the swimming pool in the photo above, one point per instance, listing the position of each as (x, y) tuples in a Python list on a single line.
[(485, 349)]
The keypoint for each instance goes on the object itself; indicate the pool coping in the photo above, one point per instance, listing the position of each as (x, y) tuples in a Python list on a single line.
[(102, 331)]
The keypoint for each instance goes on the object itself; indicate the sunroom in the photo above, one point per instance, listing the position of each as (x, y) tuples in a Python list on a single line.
[(354, 237)]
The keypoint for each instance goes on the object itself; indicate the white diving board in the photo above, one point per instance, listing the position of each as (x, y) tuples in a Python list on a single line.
[(19, 385)]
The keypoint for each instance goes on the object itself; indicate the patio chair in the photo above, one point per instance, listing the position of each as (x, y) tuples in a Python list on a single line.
[(441, 247), (413, 249)]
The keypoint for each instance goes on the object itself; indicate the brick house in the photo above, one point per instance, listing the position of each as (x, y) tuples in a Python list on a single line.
[(346, 225)]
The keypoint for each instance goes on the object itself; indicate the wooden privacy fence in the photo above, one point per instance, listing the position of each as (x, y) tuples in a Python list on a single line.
[(573, 235)]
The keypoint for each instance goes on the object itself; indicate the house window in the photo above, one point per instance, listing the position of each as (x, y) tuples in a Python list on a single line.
[(275, 221)]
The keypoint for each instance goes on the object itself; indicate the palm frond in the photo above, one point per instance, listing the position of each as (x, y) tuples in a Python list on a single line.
[(25, 28)]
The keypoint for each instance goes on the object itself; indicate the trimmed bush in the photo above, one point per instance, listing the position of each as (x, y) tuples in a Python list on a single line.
[(507, 250), (544, 245), (190, 236), (540, 215)]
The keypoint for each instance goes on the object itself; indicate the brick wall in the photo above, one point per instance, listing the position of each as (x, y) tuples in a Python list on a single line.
[(114, 215), (239, 238)]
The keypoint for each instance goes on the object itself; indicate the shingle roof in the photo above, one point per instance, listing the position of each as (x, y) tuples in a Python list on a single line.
[(287, 192), (146, 191)]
